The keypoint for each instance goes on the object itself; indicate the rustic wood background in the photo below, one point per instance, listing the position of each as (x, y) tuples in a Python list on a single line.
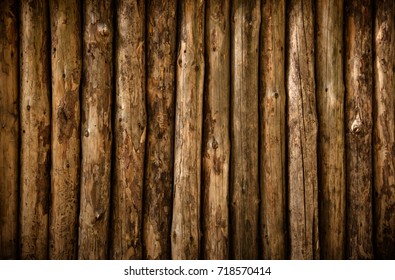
[(197, 129)]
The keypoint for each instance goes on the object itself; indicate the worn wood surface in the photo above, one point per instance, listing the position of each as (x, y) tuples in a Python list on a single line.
[(302, 133), (9, 130), (272, 130), (129, 131), (216, 142), (244, 185), (96, 130), (330, 105), (384, 134), (359, 91), (66, 66), (158, 185), (185, 235), (35, 113)]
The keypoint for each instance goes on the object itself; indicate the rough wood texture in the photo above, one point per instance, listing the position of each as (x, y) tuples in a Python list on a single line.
[(330, 105), (35, 112), (272, 130), (96, 130), (244, 188), (158, 186), (66, 80), (216, 142), (384, 134), (9, 130), (129, 131), (185, 236), (302, 133), (358, 71)]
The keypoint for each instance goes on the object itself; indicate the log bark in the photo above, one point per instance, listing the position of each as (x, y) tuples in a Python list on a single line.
[(216, 142), (35, 113), (358, 71), (9, 130), (272, 130), (66, 80), (129, 131), (384, 134), (158, 186), (185, 235), (96, 130), (302, 133), (330, 105), (244, 188)]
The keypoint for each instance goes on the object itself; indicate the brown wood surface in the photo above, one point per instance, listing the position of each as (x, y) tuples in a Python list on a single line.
[(9, 130), (185, 235), (65, 20), (359, 91), (35, 110), (96, 130), (216, 142), (272, 130), (384, 133), (244, 185), (330, 105), (129, 131), (302, 133), (158, 185)]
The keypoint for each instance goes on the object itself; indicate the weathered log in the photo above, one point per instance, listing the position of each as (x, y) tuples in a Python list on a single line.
[(244, 186), (384, 134), (272, 130), (216, 142), (9, 130), (158, 185), (35, 112), (66, 80), (302, 133), (358, 114), (185, 235), (129, 131), (96, 130), (330, 105)]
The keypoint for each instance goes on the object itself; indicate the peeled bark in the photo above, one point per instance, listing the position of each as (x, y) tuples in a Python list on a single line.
[(272, 130), (330, 105), (244, 188), (130, 130), (35, 113), (96, 130), (185, 237), (9, 130), (302, 133), (384, 134), (358, 71), (66, 81), (216, 142), (161, 59)]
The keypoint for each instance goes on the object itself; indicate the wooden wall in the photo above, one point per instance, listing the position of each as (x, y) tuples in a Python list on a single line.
[(197, 129)]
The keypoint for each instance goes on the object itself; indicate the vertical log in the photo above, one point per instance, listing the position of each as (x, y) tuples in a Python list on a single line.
[(9, 130), (244, 189), (330, 105), (66, 80), (384, 134), (302, 133), (185, 229), (36, 129), (130, 129), (96, 130), (161, 59), (216, 142), (272, 130), (358, 108)]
